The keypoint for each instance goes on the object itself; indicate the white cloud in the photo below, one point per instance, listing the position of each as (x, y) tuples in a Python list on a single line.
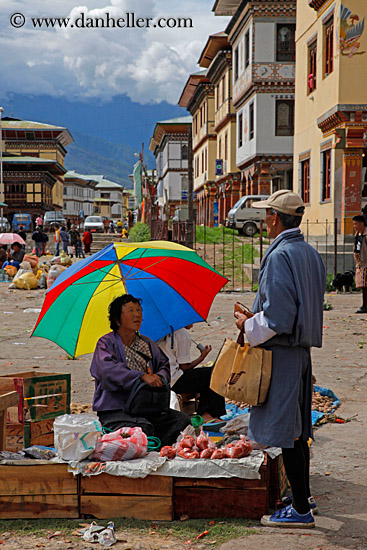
[(149, 65)]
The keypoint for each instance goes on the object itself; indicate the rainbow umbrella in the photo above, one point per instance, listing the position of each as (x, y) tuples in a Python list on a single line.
[(176, 286)]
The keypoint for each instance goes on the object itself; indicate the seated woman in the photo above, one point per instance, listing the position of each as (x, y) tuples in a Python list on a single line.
[(15, 255), (121, 358)]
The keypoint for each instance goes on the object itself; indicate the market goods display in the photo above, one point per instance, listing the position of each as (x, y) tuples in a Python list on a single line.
[(203, 447), (322, 403), (238, 404)]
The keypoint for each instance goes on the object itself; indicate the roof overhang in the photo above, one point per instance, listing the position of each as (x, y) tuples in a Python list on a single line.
[(190, 88), (215, 43), (225, 7)]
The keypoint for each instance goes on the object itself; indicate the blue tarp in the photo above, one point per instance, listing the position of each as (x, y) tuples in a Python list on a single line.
[(233, 410)]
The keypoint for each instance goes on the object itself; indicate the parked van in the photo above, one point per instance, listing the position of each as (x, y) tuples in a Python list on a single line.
[(24, 220), (52, 217), (244, 218)]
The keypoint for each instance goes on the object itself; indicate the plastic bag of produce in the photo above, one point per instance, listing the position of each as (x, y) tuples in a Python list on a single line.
[(123, 444), (66, 261), (27, 281), (76, 435), (53, 273)]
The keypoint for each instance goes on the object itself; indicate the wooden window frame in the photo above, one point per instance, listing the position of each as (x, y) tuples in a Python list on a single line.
[(235, 64), (312, 67), (326, 176), (284, 130), (305, 180), (251, 118), (240, 130), (290, 55), (329, 46), (247, 49)]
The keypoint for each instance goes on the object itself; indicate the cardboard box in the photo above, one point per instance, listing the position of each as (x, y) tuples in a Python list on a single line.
[(42, 395), (23, 435)]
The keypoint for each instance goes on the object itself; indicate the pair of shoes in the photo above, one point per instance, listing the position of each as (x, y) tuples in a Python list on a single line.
[(311, 501), (288, 517), (362, 309)]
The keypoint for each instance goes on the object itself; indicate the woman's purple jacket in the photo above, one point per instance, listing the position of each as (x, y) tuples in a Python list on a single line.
[(113, 378)]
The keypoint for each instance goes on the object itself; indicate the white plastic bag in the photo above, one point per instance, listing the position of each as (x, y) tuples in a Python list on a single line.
[(76, 435), (54, 272)]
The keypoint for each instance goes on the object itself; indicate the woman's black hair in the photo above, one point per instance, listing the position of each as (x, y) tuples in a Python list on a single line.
[(115, 308)]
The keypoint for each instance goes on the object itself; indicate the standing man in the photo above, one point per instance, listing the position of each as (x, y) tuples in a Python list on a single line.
[(74, 238), (37, 237), (360, 258), (288, 321), (39, 221), (87, 240), (22, 234), (65, 239)]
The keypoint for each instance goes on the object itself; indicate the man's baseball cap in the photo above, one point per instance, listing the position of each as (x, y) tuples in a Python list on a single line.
[(284, 201)]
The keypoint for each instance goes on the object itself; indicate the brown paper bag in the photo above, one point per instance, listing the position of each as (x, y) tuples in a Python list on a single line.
[(242, 373)]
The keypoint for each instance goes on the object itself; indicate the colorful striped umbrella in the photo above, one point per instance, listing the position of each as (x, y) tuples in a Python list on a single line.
[(176, 286)]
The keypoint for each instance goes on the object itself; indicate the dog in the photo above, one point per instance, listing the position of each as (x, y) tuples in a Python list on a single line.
[(344, 281)]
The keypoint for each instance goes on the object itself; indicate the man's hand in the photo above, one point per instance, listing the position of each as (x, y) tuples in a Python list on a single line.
[(152, 380), (205, 352), (240, 320)]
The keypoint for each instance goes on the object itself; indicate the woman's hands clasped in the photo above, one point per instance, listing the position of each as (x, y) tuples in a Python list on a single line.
[(153, 380)]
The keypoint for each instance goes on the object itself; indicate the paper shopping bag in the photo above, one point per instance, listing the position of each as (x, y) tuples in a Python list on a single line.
[(242, 373)]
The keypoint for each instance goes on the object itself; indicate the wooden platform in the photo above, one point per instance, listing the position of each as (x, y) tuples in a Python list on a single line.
[(42, 491), (50, 491)]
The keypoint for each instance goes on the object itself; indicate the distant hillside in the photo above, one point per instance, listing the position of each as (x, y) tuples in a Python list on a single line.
[(92, 155), (106, 134)]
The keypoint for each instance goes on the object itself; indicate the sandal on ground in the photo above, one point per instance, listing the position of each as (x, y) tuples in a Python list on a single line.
[(288, 517)]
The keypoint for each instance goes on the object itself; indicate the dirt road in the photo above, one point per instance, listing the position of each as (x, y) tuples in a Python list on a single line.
[(339, 453)]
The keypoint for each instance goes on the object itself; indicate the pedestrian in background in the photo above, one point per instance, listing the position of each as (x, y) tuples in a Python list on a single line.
[(74, 237), (288, 319), (37, 237), (87, 241), (360, 258), (39, 221), (22, 234), (65, 239), (57, 239)]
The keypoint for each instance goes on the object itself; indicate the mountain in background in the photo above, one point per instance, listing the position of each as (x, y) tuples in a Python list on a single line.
[(106, 135)]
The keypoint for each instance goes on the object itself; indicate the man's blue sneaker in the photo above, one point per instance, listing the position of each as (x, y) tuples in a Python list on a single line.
[(288, 517), (311, 501)]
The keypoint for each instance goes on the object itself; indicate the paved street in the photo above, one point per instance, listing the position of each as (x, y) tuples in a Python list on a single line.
[(339, 453)]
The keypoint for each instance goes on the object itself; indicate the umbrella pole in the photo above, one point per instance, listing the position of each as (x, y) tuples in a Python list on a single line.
[(122, 278)]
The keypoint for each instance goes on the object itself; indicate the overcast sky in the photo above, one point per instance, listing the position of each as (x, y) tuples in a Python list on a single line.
[(149, 65)]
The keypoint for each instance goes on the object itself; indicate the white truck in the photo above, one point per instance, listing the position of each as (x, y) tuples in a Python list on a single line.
[(244, 218)]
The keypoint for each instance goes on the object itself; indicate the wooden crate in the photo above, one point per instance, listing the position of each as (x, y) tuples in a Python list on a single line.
[(42, 491), (20, 436), (42, 395), (227, 497), (106, 496)]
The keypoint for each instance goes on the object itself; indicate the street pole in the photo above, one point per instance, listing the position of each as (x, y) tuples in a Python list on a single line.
[(190, 201), (1, 173)]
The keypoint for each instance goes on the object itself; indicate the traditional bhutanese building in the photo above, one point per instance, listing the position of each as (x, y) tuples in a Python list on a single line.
[(44, 141), (169, 145), (28, 184), (330, 142), (217, 58), (198, 98), (263, 67)]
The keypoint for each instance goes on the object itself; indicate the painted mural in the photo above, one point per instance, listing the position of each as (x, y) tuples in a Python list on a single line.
[(351, 28)]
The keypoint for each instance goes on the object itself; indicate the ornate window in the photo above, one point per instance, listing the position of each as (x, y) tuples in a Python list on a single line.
[(284, 117), (312, 61), (286, 50)]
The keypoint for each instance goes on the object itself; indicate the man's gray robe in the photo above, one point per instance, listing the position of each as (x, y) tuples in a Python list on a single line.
[(292, 283)]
